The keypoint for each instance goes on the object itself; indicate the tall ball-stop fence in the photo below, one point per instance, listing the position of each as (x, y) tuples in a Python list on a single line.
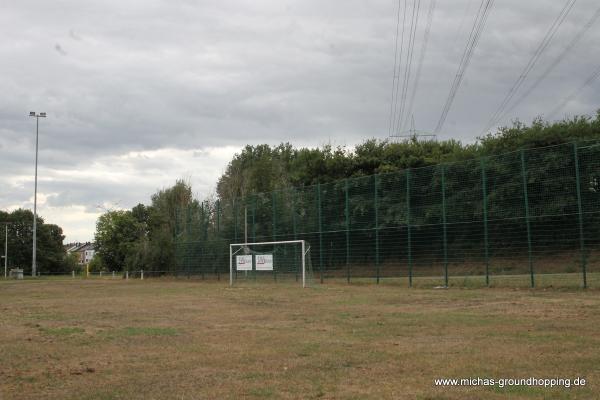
[(524, 218)]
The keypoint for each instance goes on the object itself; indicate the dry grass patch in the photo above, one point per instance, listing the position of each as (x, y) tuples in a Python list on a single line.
[(170, 339)]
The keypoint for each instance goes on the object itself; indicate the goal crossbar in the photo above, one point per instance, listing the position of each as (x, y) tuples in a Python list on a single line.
[(241, 245)]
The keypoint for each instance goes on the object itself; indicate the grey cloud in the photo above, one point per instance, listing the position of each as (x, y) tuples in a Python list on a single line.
[(60, 50), (142, 76)]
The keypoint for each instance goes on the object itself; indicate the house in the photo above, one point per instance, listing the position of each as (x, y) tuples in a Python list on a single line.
[(85, 251)]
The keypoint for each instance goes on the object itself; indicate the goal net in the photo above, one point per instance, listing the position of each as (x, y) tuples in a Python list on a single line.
[(271, 261)]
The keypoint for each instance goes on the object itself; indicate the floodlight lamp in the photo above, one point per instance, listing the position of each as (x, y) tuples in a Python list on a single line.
[(32, 113), (43, 114)]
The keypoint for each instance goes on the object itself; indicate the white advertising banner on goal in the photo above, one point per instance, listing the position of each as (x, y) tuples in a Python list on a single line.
[(243, 263), (264, 262)]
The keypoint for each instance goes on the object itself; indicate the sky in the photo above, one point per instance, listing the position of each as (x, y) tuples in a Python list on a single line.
[(141, 93)]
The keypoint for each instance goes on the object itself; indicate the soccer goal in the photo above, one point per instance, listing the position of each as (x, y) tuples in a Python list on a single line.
[(282, 260)]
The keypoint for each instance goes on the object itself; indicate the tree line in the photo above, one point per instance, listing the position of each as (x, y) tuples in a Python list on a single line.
[(176, 231), (51, 255)]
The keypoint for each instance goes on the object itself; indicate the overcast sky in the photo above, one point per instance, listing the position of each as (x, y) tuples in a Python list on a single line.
[(140, 93)]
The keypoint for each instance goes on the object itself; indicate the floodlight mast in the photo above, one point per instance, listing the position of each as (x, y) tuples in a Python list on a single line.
[(37, 126)]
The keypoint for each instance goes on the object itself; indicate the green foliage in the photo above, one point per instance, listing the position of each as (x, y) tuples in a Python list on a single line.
[(116, 233), (96, 265), (177, 232), (540, 134), (72, 262), (50, 252), (262, 168), (143, 237)]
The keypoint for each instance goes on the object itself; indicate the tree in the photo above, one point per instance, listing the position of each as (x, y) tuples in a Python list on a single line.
[(116, 234), (50, 252), (143, 237)]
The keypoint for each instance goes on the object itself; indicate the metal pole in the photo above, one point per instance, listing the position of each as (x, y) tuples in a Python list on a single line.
[(445, 232), (295, 232), (274, 216), (274, 229), (235, 220), (254, 233), (347, 215), (320, 232), (485, 222), (218, 216), (33, 260), (6, 251), (526, 196), (254, 218), (246, 224), (376, 204), (580, 215), (230, 267), (303, 266), (409, 238), (218, 265)]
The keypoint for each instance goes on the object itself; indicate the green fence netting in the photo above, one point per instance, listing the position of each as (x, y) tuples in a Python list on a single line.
[(525, 218)]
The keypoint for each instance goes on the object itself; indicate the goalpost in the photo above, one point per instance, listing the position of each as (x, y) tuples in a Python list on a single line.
[(276, 260)]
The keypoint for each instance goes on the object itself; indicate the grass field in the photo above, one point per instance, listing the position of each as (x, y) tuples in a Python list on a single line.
[(186, 339)]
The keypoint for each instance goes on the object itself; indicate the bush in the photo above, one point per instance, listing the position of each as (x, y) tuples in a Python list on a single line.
[(96, 265), (71, 263)]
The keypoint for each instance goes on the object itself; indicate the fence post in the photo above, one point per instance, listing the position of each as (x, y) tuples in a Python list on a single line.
[(294, 228), (218, 237), (142, 275), (254, 218), (445, 228), (320, 231), (126, 275), (408, 230), (274, 233), (526, 196), (347, 217), (580, 215), (485, 221), (274, 216), (235, 219), (218, 216), (376, 204), (254, 232), (73, 274)]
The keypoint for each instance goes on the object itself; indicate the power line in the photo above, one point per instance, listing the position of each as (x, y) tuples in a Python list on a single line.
[(574, 94), (531, 64), (394, 71), (556, 61), (430, 12), (478, 25), (407, 71), (396, 83), (462, 23)]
